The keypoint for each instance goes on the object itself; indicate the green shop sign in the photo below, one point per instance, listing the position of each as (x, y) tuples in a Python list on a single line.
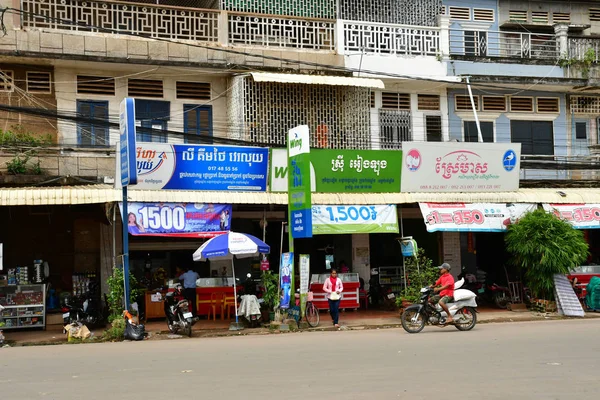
[(344, 171)]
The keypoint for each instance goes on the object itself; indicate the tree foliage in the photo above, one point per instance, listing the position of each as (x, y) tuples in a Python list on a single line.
[(544, 245), (17, 137), (117, 293)]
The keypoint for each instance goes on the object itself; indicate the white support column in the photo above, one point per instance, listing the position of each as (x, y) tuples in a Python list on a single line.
[(224, 28), (562, 32), (444, 24), (339, 37)]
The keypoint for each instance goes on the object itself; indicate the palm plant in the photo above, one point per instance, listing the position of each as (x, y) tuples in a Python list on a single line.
[(544, 245)]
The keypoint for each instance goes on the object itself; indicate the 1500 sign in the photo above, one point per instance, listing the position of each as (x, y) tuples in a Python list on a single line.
[(354, 219)]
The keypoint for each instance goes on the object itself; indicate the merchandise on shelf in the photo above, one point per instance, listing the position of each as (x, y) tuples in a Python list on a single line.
[(81, 283)]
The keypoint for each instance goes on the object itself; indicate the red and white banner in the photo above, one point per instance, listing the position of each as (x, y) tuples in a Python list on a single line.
[(472, 217), (581, 216)]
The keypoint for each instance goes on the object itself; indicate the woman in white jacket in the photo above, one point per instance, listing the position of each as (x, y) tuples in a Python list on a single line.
[(333, 289)]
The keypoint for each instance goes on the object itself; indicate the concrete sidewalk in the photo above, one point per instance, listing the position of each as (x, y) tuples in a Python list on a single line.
[(350, 320)]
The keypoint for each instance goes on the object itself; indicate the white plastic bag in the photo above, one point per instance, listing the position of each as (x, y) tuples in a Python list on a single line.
[(463, 294)]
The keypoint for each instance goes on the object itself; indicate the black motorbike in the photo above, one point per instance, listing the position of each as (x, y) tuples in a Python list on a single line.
[(179, 316), (415, 317), (85, 310)]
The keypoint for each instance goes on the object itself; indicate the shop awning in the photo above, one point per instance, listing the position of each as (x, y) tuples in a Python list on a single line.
[(92, 194), (318, 80), (63, 195)]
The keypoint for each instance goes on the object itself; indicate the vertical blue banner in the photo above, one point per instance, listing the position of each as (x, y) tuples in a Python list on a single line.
[(286, 271), (127, 133)]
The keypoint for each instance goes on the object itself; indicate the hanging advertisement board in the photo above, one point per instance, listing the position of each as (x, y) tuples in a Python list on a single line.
[(581, 216), (344, 171), (329, 220), (474, 217), (178, 220), (461, 167), (201, 167)]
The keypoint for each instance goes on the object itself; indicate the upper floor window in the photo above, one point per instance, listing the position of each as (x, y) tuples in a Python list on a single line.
[(39, 82), (193, 90), (428, 102), (395, 101), (145, 88), (463, 103), (152, 117), (92, 131), (7, 80), (197, 121), (536, 137), (100, 85)]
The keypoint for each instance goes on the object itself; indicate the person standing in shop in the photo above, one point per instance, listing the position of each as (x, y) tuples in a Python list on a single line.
[(333, 289), (189, 287)]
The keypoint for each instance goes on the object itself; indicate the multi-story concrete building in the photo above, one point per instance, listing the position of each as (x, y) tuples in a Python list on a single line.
[(363, 74)]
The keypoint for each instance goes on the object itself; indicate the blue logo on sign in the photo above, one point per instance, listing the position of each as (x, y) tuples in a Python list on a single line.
[(509, 160)]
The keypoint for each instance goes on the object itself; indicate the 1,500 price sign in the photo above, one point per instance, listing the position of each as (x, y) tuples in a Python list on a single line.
[(178, 219), (354, 219)]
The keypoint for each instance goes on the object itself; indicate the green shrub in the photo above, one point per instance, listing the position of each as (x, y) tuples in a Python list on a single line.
[(116, 332), (116, 293), (544, 245)]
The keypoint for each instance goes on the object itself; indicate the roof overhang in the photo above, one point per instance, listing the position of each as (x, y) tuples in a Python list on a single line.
[(318, 80), (96, 194)]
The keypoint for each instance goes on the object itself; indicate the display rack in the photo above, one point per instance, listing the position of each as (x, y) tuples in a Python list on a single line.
[(24, 306), (392, 277)]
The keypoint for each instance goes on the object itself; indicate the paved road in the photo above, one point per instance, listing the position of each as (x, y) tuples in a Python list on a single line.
[(542, 360)]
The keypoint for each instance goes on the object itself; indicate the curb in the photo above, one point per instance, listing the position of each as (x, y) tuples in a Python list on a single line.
[(215, 333)]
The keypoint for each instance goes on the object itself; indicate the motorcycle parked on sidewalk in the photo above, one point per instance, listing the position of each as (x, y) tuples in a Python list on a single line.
[(463, 311), (85, 310), (492, 294), (177, 310)]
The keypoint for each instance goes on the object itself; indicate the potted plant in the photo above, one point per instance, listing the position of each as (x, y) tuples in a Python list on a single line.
[(544, 245), (420, 273), (270, 284)]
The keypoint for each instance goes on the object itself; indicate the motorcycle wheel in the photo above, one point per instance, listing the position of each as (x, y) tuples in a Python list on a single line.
[(501, 300), (411, 326), (467, 313), (189, 330)]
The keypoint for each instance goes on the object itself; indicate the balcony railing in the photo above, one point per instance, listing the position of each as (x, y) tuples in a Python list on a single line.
[(179, 23), (128, 18), (503, 44), (388, 39), (283, 32), (582, 48)]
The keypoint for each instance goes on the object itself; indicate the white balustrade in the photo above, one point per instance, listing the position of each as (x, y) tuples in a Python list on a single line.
[(281, 32), (390, 39)]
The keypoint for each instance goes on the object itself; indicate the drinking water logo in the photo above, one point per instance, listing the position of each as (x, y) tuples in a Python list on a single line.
[(509, 160)]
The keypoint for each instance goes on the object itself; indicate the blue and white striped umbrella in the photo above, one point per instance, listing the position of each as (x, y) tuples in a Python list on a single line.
[(230, 245)]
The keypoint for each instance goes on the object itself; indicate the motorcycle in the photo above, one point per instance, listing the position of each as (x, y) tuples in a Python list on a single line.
[(463, 311), (493, 294), (85, 310), (179, 317)]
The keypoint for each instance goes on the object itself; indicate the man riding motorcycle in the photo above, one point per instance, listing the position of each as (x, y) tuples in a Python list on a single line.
[(445, 287)]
